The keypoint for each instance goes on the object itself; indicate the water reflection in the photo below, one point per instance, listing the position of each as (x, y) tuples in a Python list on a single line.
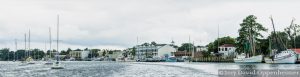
[(248, 70)]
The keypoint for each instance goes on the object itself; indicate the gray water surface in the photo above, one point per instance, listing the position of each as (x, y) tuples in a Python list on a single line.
[(128, 69)]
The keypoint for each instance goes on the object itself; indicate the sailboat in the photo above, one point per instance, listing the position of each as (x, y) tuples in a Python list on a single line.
[(49, 61), (57, 64), (284, 55), (29, 59), (249, 46)]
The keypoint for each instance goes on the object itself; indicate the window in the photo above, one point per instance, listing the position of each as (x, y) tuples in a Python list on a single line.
[(225, 49)]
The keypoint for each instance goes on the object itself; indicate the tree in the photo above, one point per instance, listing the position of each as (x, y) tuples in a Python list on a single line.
[(249, 28), (133, 51), (4, 54), (279, 41), (292, 31), (94, 53), (104, 53), (20, 55), (145, 44), (69, 50), (186, 47), (63, 52), (153, 43), (37, 54), (86, 49), (213, 46), (77, 49)]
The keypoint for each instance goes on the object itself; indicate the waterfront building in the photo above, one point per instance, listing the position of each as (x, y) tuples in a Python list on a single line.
[(154, 51), (114, 54), (201, 48), (79, 54), (227, 50), (181, 55)]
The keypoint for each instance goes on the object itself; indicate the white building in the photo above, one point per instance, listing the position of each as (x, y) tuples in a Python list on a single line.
[(201, 48), (227, 50), (154, 52), (84, 54), (80, 54), (166, 51)]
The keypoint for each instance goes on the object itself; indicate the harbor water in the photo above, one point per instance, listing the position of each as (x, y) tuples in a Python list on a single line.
[(129, 69)]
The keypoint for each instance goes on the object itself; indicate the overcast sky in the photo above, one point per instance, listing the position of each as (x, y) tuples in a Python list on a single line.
[(116, 24)]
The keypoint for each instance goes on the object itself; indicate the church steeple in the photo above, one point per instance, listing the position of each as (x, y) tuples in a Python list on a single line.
[(172, 42)]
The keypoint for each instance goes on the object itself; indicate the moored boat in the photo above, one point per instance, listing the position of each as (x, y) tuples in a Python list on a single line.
[(252, 59), (287, 56)]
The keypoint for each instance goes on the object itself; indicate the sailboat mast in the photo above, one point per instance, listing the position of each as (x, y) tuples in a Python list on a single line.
[(218, 37), (25, 45), (137, 46), (16, 49), (57, 37), (29, 54), (277, 38), (29, 40), (50, 42), (294, 28)]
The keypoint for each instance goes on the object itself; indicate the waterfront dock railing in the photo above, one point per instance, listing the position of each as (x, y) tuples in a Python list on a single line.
[(212, 59)]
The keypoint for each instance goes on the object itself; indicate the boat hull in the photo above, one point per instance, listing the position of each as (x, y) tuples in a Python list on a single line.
[(289, 60), (253, 59)]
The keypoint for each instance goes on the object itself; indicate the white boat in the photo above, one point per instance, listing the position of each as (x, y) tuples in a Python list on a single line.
[(253, 59), (49, 60), (57, 64), (29, 60), (287, 56), (71, 59)]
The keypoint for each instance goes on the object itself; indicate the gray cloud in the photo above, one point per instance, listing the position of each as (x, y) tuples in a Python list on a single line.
[(117, 23)]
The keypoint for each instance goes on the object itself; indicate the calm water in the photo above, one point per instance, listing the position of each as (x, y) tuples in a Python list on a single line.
[(128, 69)]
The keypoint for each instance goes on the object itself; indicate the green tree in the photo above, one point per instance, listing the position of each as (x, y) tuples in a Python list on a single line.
[(186, 47), (69, 50), (213, 46), (292, 31), (104, 53), (249, 28), (133, 51), (4, 54), (283, 40), (153, 43), (94, 53), (37, 53), (63, 52), (20, 55)]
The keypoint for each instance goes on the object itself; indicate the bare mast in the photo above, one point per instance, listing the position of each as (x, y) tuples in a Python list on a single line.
[(50, 42), (57, 38), (25, 45)]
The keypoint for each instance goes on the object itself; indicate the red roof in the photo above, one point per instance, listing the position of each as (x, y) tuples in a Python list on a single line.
[(296, 50), (227, 45)]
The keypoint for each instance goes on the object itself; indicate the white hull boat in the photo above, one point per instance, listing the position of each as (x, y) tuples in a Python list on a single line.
[(49, 62), (57, 65), (285, 57), (252, 59), (29, 60)]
